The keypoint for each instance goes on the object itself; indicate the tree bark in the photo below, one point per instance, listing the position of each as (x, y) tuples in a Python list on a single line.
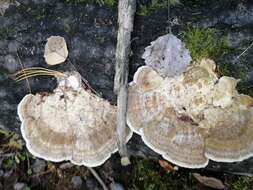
[(126, 11)]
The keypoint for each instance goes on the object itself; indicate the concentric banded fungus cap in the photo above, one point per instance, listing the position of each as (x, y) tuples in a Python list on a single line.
[(167, 55), (69, 124), (193, 117), (56, 51), (144, 99)]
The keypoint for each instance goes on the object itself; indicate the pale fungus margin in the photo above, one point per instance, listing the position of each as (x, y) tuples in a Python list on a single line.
[(71, 124), (192, 117)]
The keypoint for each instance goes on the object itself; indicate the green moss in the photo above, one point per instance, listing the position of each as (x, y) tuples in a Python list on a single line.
[(242, 183), (192, 4), (205, 43), (9, 163), (245, 87), (143, 9), (100, 2), (149, 175), (153, 5), (235, 70), (239, 71), (67, 29)]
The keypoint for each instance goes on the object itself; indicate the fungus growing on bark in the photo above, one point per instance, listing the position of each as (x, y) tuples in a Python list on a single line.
[(3, 6), (56, 51), (167, 55), (192, 117), (70, 124)]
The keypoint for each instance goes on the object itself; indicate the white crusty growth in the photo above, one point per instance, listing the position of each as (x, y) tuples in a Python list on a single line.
[(69, 124), (193, 117), (167, 55)]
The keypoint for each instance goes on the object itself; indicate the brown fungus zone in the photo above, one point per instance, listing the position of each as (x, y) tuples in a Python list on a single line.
[(71, 123), (193, 117)]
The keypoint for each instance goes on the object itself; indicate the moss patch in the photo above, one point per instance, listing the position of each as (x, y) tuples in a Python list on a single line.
[(100, 2), (149, 175), (144, 9), (239, 71), (242, 183), (205, 43)]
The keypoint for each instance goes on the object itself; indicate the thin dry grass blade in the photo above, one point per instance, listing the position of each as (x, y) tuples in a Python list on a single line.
[(32, 75), (33, 68), (35, 71), (21, 75)]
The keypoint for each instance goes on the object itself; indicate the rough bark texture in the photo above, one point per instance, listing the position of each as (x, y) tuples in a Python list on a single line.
[(126, 11)]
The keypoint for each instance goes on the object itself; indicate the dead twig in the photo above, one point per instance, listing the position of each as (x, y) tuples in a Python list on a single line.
[(244, 51), (94, 173), (126, 11)]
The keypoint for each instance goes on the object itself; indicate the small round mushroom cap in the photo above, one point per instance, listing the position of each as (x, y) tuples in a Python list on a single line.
[(149, 104), (167, 55), (4, 5), (56, 51), (69, 124), (73, 80), (147, 78), (192, 117), (224, 91)]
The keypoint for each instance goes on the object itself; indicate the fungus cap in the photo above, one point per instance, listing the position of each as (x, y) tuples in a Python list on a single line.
[(4, 5), (69, 124), (56, 51), (147, 103), (192, 117)]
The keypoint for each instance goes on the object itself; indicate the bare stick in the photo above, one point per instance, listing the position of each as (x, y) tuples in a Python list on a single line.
[(126, 11), (94, 173)]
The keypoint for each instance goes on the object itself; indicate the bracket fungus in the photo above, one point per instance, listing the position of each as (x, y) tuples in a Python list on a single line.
[(4, 5), (167, 55), (71, 123), (192, 117), (56, 51)]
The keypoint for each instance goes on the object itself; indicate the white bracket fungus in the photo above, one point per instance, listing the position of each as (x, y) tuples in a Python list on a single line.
[(4, 5), (167, 55), (56, 51), (70, 124), (193, 117)]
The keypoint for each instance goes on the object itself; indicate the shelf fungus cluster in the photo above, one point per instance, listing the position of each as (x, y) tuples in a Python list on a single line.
[(192, 117), (71, 123)]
